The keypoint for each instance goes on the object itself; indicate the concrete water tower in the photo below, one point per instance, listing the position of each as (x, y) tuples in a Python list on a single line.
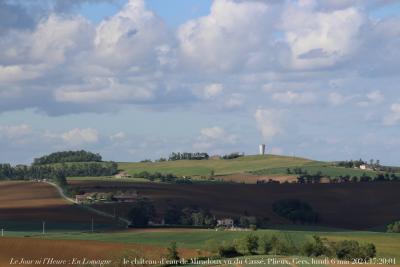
[(262, 149)]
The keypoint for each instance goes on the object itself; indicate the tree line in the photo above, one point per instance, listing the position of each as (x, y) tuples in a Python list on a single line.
[(164, 178), (272, 245), (25, 172), (188, 156), (68, 156)]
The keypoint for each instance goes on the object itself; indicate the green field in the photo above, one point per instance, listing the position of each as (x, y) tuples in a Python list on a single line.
[(259, 165), (388, 245), (326, 169)]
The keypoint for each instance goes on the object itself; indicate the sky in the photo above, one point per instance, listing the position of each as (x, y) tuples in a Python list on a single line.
[(139, 79)]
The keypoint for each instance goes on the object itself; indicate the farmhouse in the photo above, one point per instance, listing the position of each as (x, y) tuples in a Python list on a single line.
[(227, 222), (93, 197), (363, 167), (123, 175)]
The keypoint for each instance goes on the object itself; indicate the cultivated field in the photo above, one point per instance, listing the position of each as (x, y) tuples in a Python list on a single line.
[(24, 205), (67, 250), (345, 205)]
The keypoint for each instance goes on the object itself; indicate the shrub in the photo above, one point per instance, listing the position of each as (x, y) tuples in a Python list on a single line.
[(172, 252), (351, 249), (265, 244), (394, 227), (316, 248), (227, 251)]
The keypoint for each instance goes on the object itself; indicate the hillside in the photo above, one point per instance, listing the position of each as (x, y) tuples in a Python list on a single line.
[(268, 165), (341, 205)]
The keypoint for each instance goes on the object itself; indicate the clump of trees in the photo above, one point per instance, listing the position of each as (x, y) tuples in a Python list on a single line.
[(394, 227), (270, 244), (190, 216), (295, 210), (188, 156), (344, 250), (141, 212), (68, 156), (165, 178), (24, 172), (232, 155), (351, 163)]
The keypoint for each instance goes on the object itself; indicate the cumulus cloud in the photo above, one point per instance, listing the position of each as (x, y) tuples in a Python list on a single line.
[(269, 122), (321, 39), (372, 99), (79, 136), (132, 37), (213, 137), (234, 35)]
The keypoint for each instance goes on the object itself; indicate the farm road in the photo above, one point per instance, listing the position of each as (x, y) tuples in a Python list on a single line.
[(99, 212)]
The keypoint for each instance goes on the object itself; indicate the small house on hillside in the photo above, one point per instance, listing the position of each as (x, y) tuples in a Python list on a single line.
[(363, 167), (123, 175), (227, 222)]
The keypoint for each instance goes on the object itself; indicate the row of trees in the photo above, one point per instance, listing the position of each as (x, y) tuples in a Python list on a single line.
[(24, 172), (68, 156), (189, 216), (232, 155), (253, 244), (188, 156), (165, 178)]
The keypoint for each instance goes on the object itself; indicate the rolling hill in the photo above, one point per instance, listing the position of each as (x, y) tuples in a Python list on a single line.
[(257, 166)]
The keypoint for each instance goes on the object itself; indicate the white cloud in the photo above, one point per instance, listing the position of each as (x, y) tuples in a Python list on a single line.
[(321, 39), (372, 99), (213, 137), (103, 90), (290, 97), (15, 131), (117, 137), (79, 136), (133, 37), (269, 122), (235, 34), (213, 90), (337, 99), (393, 117)]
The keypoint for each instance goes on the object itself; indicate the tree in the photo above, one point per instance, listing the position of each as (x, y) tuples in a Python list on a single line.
[(265, 244), (250, 244), (141, 212), (172, 252)]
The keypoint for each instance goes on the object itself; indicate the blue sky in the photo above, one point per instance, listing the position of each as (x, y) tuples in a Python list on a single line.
[(139, 79)]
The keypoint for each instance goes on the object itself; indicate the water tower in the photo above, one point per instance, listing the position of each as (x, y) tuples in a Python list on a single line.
[(262, 149)]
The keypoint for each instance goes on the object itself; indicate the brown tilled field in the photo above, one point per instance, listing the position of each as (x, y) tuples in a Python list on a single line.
[(345, 205), (36, 249), (34, 202)]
